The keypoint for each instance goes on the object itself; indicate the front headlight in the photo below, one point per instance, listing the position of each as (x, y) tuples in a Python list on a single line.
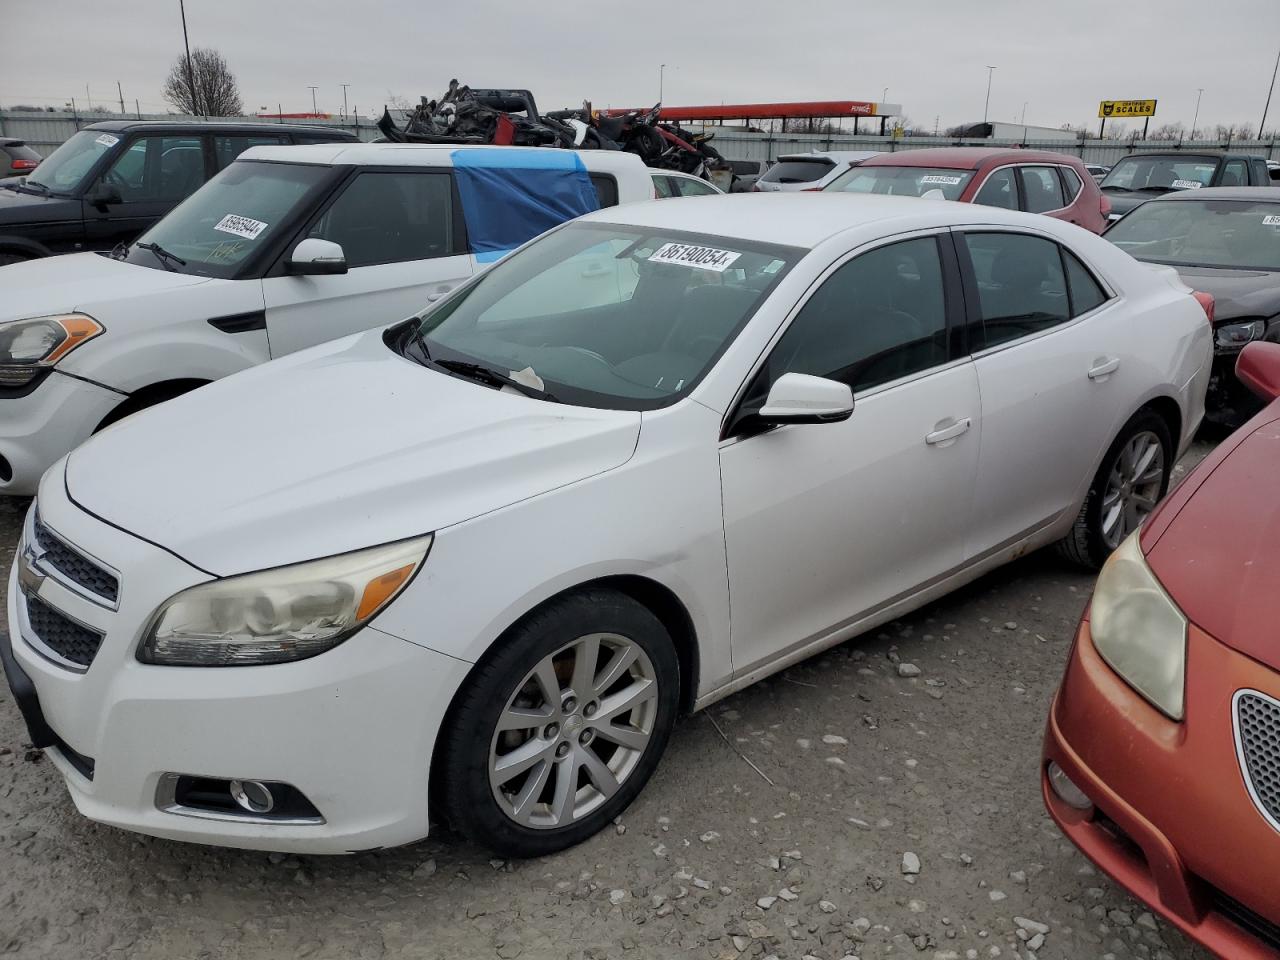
[(1233, 336), (29, 346), (289, 613), (1138, 630)]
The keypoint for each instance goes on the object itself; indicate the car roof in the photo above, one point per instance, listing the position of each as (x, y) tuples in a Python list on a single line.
[(1181, 154), (966, 158), (202, 126), (429, 154), (800, 219), (1263, 194), (839, 156)]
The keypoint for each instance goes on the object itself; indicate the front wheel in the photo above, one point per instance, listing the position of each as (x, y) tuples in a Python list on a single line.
[(1134, 475), (558, 731)]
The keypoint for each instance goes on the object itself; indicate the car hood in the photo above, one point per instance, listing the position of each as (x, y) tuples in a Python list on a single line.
[(1122, 201), (20, 207), (343, 446), (79, 281), (1236, 293), (1219, 557)]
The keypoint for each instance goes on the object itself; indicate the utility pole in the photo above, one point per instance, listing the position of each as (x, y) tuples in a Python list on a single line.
[(884, 97), (1269, 91), (344, 99), (662, 69), (1024, 113), (313, 100), (1199, 94), (88, 97), (191, 73), (137, 109), (990, 71), (121, 92)]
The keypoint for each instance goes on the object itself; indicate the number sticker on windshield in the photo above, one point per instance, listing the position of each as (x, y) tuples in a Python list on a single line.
[(701, 258), (107, 140), (947, 181), (1186, 184), (1271, 220), (240, 226)]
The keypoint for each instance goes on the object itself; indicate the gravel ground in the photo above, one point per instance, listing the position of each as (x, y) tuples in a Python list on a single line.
[(901, 816)]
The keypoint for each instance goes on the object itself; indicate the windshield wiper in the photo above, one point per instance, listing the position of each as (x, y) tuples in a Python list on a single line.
[(163, 255), (495, 378)]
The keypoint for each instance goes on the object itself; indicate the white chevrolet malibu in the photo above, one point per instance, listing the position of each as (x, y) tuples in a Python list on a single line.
[(472, 567)]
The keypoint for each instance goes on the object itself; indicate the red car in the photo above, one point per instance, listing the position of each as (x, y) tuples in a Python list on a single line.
[(1032, 180), (1162, 753)]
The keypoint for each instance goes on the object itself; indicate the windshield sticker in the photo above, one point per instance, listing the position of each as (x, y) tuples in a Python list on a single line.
[(240, 226), (1271, 221), (700, 258), (1186, 184), (107, 140), (948, 181)]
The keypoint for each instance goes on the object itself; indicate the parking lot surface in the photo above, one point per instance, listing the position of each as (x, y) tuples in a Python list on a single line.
[(881, 799)]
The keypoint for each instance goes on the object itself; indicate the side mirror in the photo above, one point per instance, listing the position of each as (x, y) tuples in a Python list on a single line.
[(314, 257), (1258, 368), (800, 398), (104, 194)]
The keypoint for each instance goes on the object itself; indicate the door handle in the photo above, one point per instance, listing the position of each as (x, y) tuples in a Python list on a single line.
[(945, 434), (1103, 368), (439, 292)]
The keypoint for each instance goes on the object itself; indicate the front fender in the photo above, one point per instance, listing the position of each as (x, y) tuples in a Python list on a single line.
[(24, 246)]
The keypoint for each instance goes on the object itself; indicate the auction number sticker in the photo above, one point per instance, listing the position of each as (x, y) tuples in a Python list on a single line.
[(701, 258), (240, 226), (1187, 184), (947, 181), (107, 140), (1271, 220)]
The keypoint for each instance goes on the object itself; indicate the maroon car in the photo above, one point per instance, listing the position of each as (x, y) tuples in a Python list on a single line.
[(1032, 180)]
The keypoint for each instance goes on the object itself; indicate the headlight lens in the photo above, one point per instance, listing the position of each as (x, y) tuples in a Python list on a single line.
[(276, 616), (1138, 630), (29, 346), (1236, 335)]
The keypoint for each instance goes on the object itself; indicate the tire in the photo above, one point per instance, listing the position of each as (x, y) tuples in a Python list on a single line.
[(145, 401), (1100, 526), (530, 811), (8, 258)]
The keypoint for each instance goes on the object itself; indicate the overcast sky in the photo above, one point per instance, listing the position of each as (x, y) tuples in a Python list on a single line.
[(1060, 57)]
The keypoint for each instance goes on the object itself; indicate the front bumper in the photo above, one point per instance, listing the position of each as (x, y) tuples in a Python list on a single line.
[(54, 418), (353, 729), (1172, 820), (1229, 403)]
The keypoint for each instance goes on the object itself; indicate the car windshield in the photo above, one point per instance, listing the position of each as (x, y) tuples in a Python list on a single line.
[(230, 218), (1160, 173), (798, 171), (605, 315), (64, 169), (1230, 234), (903, 181)]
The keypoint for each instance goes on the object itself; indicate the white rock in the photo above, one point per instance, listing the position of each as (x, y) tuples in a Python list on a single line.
[(910, 863), (1036, 942), (826, 906), (617, 896), (709, 837), (908, 670), (997, 895), (836, 762), (787, 894), (834, 740), (764, 903), (1031, 926)]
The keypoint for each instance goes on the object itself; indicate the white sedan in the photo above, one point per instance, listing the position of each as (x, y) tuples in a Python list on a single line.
[(474, 566)]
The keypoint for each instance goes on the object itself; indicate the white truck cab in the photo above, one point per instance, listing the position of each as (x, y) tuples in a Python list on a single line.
[(286, 248)]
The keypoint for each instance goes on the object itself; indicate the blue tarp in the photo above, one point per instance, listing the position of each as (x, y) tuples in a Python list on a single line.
[(511, 196)]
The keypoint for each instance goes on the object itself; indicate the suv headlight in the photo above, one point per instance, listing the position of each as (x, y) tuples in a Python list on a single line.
[(29, 346), (1138, 630), (1233, 336), (288, 613)]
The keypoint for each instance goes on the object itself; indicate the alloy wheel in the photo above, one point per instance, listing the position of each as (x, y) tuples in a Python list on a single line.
[(1133, 487)]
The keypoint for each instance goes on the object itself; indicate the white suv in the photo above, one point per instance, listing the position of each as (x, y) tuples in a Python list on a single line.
[(809, 171), (286, 248)]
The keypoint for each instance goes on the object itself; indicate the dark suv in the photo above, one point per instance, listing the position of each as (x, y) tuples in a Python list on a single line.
[(111, 181), (1141, 176)]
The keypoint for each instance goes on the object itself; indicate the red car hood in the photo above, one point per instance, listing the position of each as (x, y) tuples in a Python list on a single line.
[(1215, 545)]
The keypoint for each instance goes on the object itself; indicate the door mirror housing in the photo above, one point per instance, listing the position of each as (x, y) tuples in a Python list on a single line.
[(314, 257), (103, 194), (801, 398), (1258, 368)]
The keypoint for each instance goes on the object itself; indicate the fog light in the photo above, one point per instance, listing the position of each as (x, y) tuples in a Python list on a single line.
[(1066, 789), (253, 796)]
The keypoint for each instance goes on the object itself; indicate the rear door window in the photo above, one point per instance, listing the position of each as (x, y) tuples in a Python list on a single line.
[(999, 191), (1071, 184), (1022, 288), (1041, 189), (1086, 293)]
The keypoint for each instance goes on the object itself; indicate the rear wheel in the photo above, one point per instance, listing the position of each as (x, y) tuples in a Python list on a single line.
[(7, 258), (1133, 477), (560, 729)]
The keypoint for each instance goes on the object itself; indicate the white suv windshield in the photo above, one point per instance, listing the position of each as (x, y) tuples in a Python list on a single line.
[(230, 218), (606, 315)]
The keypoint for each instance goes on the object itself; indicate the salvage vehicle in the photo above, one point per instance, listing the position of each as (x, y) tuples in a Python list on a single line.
[(1036, 181), (286, 248), (16, 158), (1162, 750), (809, 171), (1226, 242), (1141, 176), (473, 566), (113, 180)]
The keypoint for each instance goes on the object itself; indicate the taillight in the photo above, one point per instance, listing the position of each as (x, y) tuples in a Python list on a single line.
[(1205, 300), (24, 164)]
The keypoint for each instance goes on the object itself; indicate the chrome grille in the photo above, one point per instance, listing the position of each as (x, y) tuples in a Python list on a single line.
[(74, 565), (1258, 743), (63, 636)]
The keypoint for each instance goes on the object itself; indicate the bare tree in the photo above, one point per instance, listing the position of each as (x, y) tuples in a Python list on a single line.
[(208, 89), (1168, 131)]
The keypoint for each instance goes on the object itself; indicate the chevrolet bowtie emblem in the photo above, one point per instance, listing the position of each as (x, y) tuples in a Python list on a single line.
[(30, 579)]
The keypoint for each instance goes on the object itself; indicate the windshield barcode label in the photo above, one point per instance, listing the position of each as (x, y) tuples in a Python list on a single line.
[(701, 258), (240, 226), (107, 140), (946, 181), (1271, 221), (1186, 184)]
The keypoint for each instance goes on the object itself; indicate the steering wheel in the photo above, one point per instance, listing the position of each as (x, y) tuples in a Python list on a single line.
[(113, 176), (592, 354)]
